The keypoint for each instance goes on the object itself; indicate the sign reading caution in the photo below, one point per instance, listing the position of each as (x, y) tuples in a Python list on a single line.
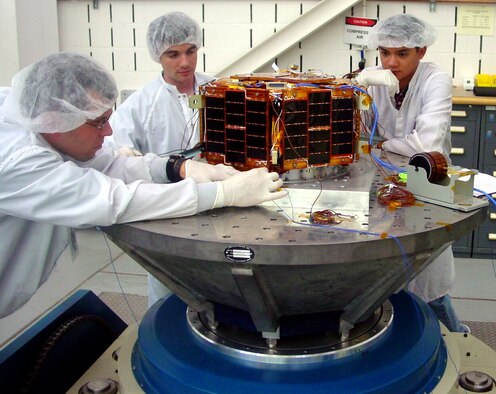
[(356, 30)]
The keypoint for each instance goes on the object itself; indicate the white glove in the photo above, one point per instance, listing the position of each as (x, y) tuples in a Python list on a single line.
[(204, 172), (379, 78), (249, 188), (129, 152)]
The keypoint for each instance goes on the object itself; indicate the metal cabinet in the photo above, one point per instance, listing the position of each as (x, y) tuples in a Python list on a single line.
[(473, 139), (488, 140), (465, 127), (485, 236)]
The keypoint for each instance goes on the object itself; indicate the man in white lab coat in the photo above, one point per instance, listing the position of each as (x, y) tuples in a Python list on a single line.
[(413, 99), (55, 175), (157, 118)]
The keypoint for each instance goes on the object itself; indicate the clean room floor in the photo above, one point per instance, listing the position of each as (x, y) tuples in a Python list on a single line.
[(474, 294)]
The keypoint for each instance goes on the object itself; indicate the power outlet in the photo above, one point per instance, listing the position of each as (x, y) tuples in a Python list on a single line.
[(468, 83)]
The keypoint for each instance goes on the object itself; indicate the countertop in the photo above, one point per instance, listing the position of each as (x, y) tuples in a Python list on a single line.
[(462, 96)]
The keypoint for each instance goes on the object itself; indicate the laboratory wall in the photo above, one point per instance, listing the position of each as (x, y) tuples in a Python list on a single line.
[(113, 32), (28, 31)]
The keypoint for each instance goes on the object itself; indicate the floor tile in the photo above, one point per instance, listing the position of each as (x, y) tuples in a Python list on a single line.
[(475, 310), (475, 278)]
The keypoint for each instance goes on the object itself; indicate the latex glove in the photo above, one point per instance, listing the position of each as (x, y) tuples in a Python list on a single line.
[(379, 78), (204, 172), (249, 188), (126, 151)]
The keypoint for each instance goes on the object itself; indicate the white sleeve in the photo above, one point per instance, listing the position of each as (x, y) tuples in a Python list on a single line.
[(151, 168), (405, 146), (432, 124), (38, 186)]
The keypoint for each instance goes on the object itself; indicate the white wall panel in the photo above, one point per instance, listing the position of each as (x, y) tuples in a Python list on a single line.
[(330, 38), (227, 36), (424, 12), (263, 12), (8, 45), (144, 62), (100, 35), (104, 56), (140, 31), (74, 32), (218, 58), (466, 64), (288, 11), (443, 16), (488, 64), (146, 10), (124, 60), (122, 35), (73, 26), (231, 28), (227, 12), (489, 44), (101, 15), (288, 58), (390, 8), (122, 12), (445, 41), (261, 33), (467, 44), (442, 60), (337, 65), (135, 80)]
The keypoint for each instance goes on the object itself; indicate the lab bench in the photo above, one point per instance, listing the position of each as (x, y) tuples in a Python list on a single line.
[(473, 138)]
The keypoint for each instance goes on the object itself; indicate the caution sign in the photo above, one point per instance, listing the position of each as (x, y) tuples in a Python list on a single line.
[(356, 29)]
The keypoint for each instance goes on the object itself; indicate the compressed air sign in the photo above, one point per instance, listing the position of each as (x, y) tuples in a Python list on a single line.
[(356, 29)]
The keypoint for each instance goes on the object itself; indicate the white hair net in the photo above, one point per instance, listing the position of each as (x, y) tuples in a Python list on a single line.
[(401, 30), (174, 28), (59, 93)]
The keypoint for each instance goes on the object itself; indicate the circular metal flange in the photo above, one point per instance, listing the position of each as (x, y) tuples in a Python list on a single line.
[(251, 346), (476, 382), (168, 357)]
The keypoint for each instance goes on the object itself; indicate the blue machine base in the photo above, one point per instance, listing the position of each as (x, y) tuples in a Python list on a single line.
[(409, 358)]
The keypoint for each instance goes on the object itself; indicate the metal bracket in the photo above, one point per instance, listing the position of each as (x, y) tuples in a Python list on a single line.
[(258, 298)]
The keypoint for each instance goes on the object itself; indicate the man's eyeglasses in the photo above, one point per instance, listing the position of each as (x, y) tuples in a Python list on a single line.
[(102, 122)]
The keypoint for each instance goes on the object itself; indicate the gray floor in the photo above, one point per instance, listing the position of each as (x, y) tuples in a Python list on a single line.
[(474, 294)]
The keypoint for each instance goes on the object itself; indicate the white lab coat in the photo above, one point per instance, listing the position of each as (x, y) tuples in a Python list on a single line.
[(156, 119), (43, 194), (423, 122), (421, 125)]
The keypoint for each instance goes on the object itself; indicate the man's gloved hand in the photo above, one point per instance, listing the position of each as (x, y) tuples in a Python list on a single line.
[(249, 188), (204, 172), (379, 78)]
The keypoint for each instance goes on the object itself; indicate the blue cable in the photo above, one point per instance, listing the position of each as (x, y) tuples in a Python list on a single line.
[(371, 141), (490, 198), (392, 167), (407, 265), (372, 133), (307, 84)]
